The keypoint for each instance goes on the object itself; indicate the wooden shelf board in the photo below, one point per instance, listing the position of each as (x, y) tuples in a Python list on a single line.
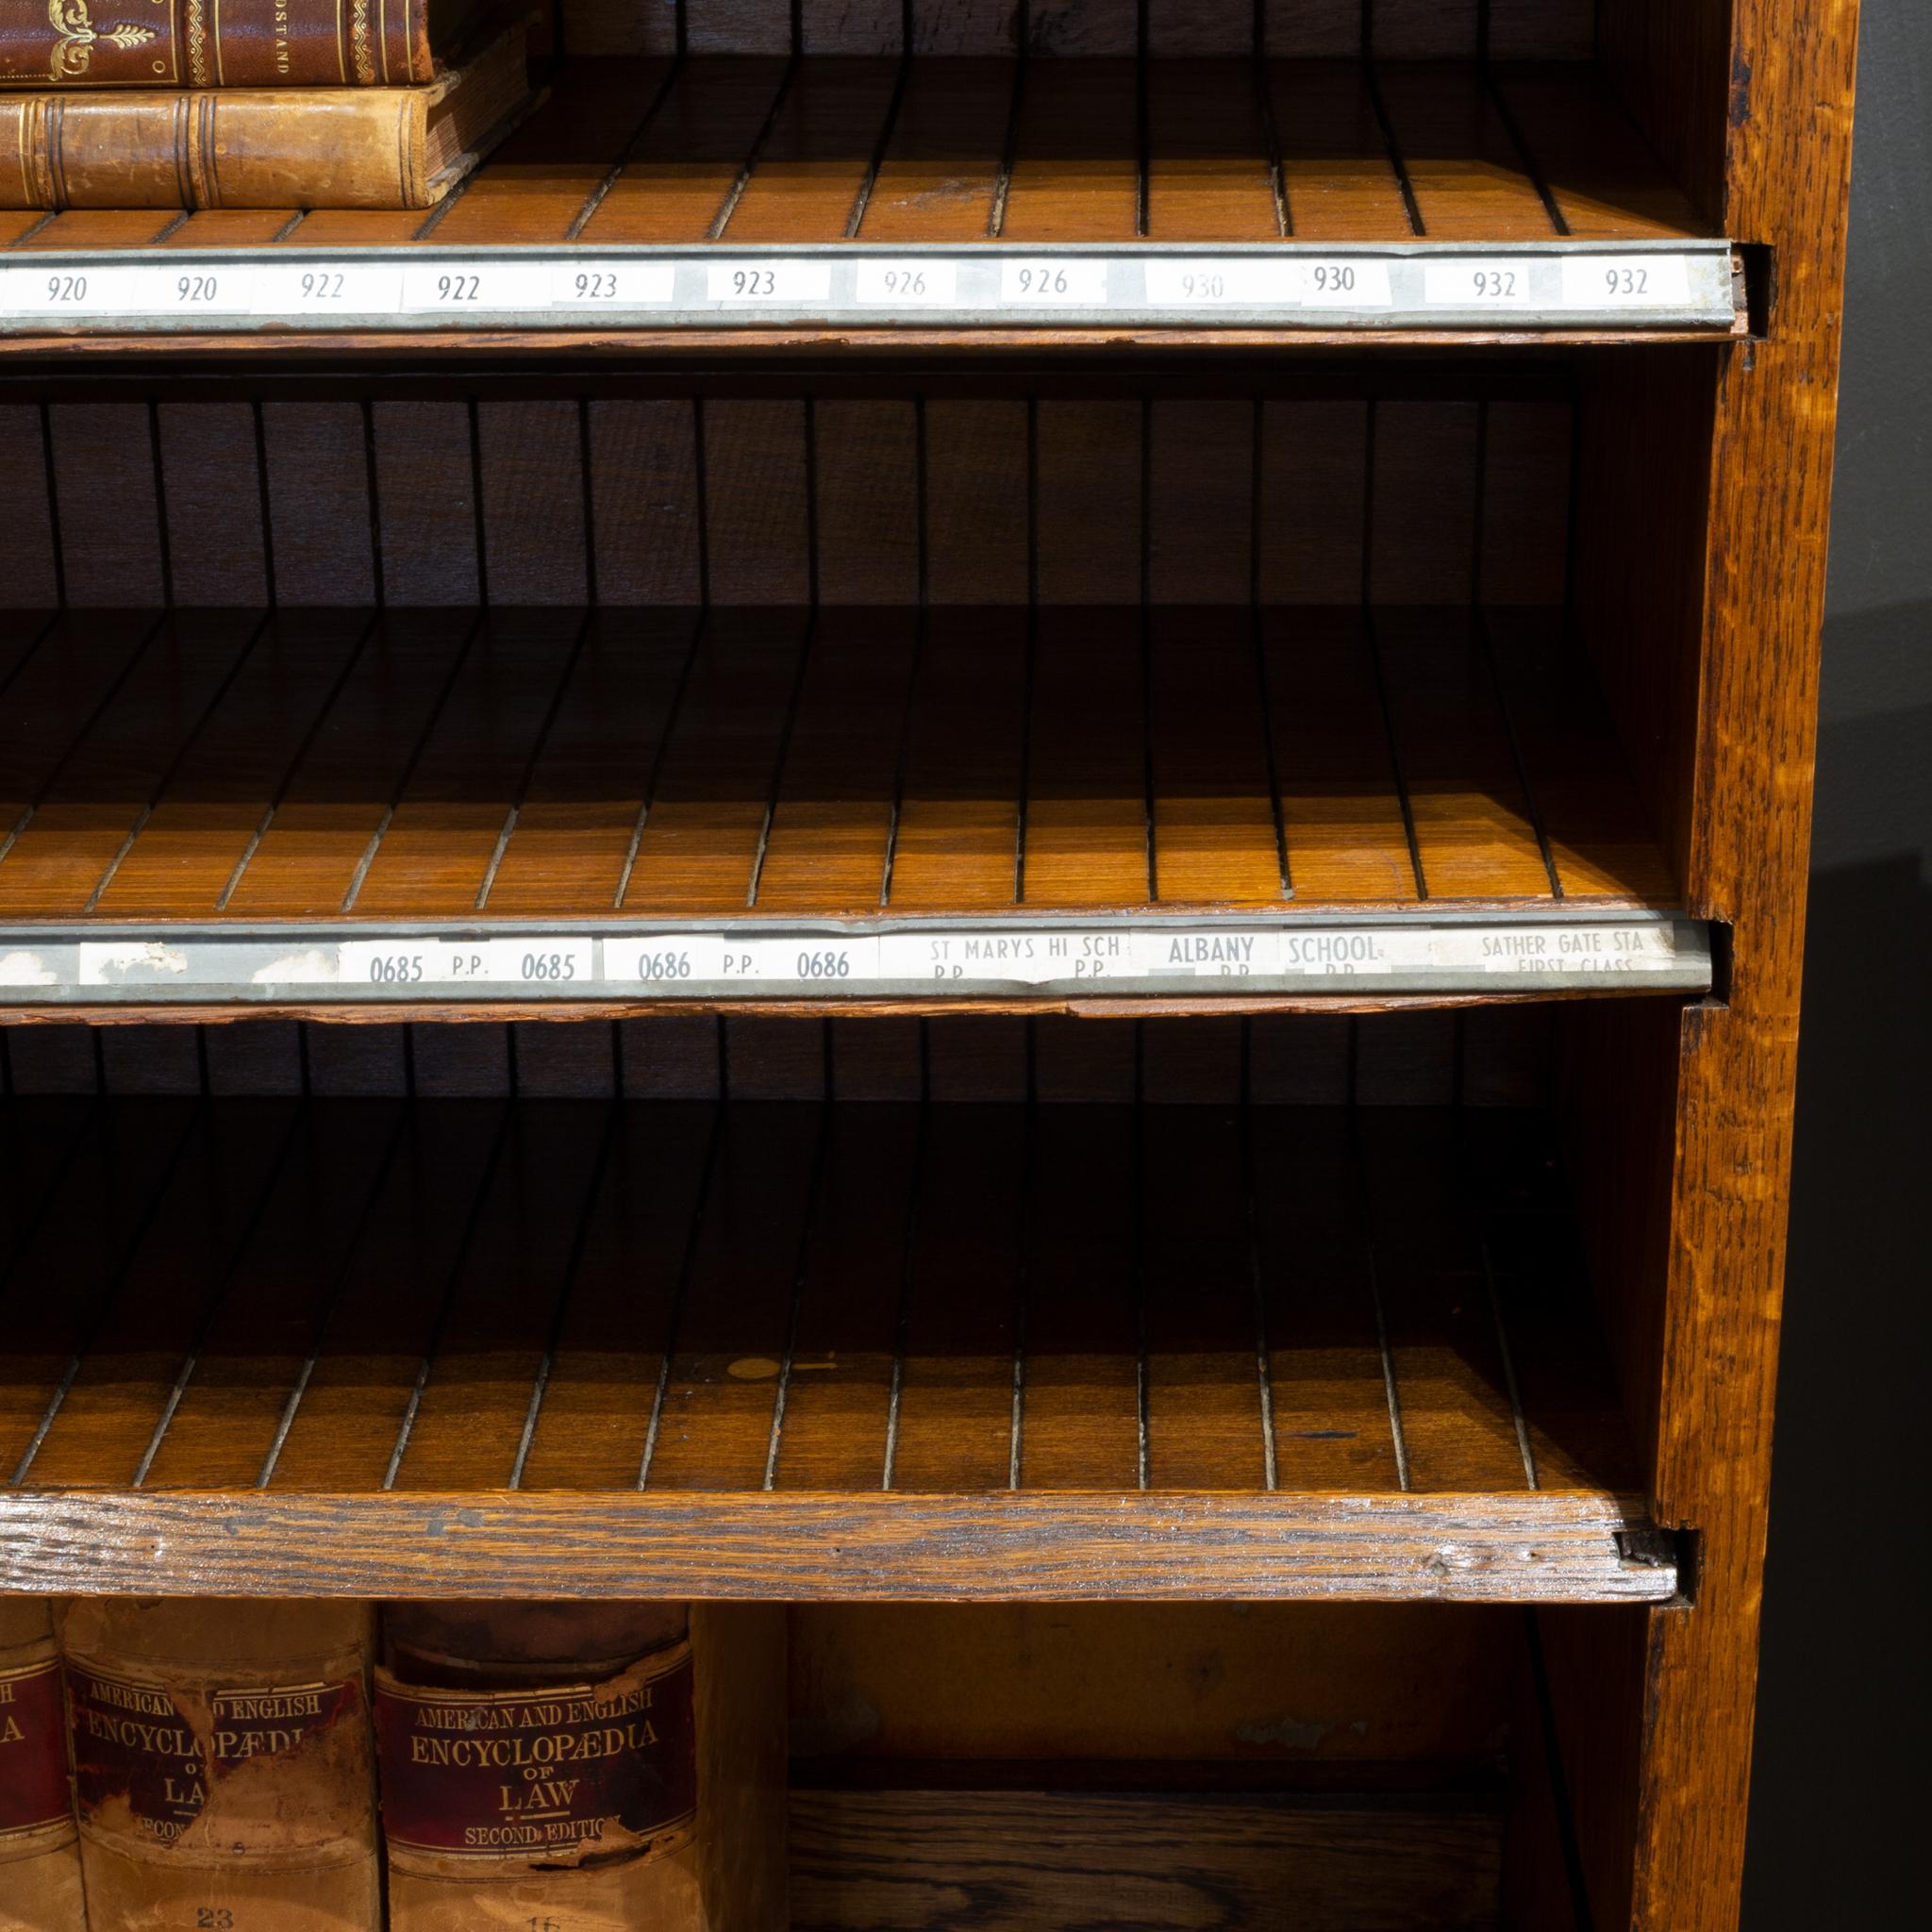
[(237, 769), (791, 1351), (733, 151)]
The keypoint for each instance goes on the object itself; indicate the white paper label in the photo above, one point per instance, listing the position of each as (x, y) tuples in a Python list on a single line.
[(1236, 282), (1053, 282), (1530, 950), (52, 292), (970, 958), (789, 283), (324, 289), (1371, 951), (908, 283), (121, 963), (1498, 284), (1345, 284), (664, 962), (453, 285), (814, 963), (611, 284), (1627, 281), (1206, 952), (541, 962)]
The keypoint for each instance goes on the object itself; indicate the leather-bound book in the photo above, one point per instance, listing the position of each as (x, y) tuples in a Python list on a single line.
[(393, 147), (603, 1767), (205, 43), (39, 1859), (223, 1765)]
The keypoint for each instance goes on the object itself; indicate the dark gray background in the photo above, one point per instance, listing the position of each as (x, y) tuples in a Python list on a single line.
[(1838, 1806)]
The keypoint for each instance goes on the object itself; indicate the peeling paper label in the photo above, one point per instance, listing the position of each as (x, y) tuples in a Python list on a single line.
[(109, 965), (548, 1776), (25, 969), (33, 1751), (145, 1757)]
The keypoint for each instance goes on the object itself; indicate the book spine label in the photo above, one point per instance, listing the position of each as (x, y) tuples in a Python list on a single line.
[(68, 44), (150, 1761), (542, 1777), (34, 1795)]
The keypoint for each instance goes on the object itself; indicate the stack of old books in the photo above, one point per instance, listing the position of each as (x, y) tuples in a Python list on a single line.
[(261, 104), (482, 1767)]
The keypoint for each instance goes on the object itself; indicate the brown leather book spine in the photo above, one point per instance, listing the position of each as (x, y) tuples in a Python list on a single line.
[(539, 1764), (214, 43), (39, 1853), (223, 1763), (214, 150)]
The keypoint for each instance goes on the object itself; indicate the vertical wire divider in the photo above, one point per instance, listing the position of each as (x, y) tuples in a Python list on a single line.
[(883, 145), (143, 644), (1029, 1153), (1486, 642), (172, 770), (1372, 640), (1144, 126), (1576, 1877), (265, 508), (782, 756), (923, 576), (907, 1271), (506, 1128), (459, 659), (276, 798), (405, 1128), (91, 1322), (1143, 1286), (371, 476), (1148, 780), (735, 193), (1270, 125), (51, 471), (300, 1127), (1478, 1228), (1028, 693), (164, 539), (538, 747), (1258, 625), (1372, 80), (1531, 166), (815, 1189), (687, 1262), (480, 531), (1363, 1211), (653, 778), (539, 1386), (1009, 147), (587, 464), (628, 153), (1264, 1362)]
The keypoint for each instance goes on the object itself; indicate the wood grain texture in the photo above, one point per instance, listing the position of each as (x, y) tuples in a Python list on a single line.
[(904, 1858), (1045, 1548), (1787, 176)]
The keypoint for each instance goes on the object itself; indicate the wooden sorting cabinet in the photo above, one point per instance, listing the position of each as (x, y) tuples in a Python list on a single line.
[(988, 817)]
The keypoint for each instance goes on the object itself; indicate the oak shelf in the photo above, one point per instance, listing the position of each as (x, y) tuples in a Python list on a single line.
[(1231, 200), (1052, 805), (795, 1352)]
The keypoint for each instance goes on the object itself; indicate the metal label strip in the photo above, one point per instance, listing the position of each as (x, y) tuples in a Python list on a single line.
[(950, 959), (1284, 285)]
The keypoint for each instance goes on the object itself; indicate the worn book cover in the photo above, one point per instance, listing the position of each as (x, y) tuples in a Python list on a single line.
[(396, 147), (40, 1854), (540, 1762), (224, 1766), (217, 43)]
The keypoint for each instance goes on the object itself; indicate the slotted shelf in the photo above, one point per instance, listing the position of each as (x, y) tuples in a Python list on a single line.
[(1371, 170), (688, 806), (796, 1351)]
